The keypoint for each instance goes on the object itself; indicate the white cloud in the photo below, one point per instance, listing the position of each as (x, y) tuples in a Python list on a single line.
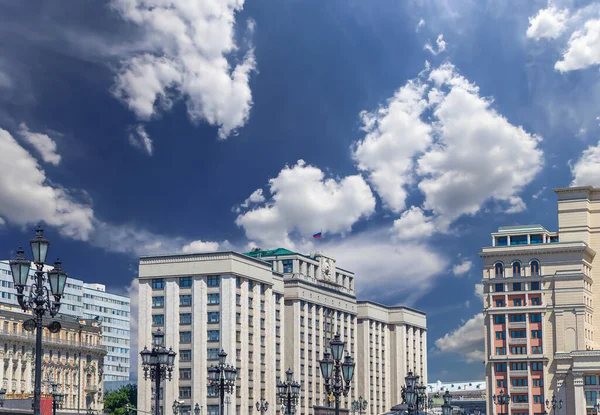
[(462, 268), (466, 340), (190, 58), (42, 143), (395, 134), (303, 200), (27, 196), (548, 23), (420, 24), (413, 224), (586, 170), (256, 197), (516, 205), (139, 138), (2, 221), (441, 45), (479, 291), (200, 246), (584, 48), (539, 193)]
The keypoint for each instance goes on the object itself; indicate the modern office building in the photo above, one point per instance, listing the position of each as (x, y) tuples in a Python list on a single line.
[(90, 301), (392, 341), (73, 358), (270, 310), (540, 288)]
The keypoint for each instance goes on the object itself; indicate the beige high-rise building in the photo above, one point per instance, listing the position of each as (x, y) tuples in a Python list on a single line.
[(540, 288), (392, 341)]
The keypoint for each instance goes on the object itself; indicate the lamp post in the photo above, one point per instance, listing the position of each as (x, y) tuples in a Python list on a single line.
[(421, 397), (57, 398), (596, 408), (2, 397), (288, 393), (197, 409), (39, 298), (410, 392), (447, 406), (503, 399), (554, 403), (223, 378), (337, 374), (176, 407), (158, 364), (360, 405), (262, 405)]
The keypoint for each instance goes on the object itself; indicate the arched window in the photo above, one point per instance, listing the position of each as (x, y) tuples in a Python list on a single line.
[(535, 268), (499, 270), (516, 269)]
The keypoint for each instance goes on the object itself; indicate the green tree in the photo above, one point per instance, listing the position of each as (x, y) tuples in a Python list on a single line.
[(115, 401)]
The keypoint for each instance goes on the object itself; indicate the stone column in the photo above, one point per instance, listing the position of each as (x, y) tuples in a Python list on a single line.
[(579, 396), (199, 354)]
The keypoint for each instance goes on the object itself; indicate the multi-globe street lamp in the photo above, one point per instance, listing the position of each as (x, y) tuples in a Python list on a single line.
[(177, 406), (39, 299), (2, 397), (57, 398), (222, 377), (554, 403), (414, 395), (337, 373), (447, 406), (197, 409), (288, 393), (262, 405), (158, 364), (501, 400), (359, 405)]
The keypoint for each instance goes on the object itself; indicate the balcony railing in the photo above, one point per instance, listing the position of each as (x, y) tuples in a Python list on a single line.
[(520, 405), (517, 324), (518, 373), (30, 337), (519, 389), (519, 340)]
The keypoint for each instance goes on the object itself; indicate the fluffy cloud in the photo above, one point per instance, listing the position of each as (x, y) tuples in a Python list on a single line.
[(466, 340), (200, 246), (586, 170), (479, 291), (189, 58), (462, 268), (420, 24), (139, 138), (413, 224), (42, 144), (583, 49), (441, 45), (27, 196), (303, 200), (548, 23)]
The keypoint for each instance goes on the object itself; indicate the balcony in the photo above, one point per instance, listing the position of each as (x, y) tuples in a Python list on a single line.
[(517, 324), (519, 340), (519, 389), (518, 373), (91, 388), (519, 405), (71, 344)]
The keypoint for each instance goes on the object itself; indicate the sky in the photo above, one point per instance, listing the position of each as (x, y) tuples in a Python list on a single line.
[(405, 131)]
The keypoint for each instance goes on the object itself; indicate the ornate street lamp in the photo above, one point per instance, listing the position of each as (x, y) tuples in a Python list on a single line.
[(410, 393), (158, 364), (447, 406), (501, 400), (262, 405), (176, 407), (197, 409), (39, 299), (222, 378), (2, 397), (554, 404), (337, 374), (421, 397), (288, 393), (360, 405), (57, 398)]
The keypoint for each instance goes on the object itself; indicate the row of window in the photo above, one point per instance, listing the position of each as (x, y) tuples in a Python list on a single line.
[(212, 336), (539, 382), (501, 351), (534, 267), (517, 286), (186, 282), (535, 366)]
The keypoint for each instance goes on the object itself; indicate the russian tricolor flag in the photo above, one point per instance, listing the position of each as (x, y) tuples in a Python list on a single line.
[(317, 235)]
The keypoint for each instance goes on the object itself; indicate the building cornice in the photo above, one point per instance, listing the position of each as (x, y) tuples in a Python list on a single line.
[(208, 256), (537, 249)]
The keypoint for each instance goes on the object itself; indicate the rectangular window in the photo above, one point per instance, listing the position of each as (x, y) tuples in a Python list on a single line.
[(518, 334), (213, 354), (213, 316), (500, 351), (500, 335), (214, 298), (213, 280), (517, 302), (501, 383), (499, 319), (535, 318), (185, 337), (185, 373), (158, 284), (535, 285), (158, 319), (185, 391), (238, 299), (499, 303), (516, 286), (518, 366), (238, 282), (515, 318), (536, 350), (519, 382), (499, 287), (212, 410), (520, 398), (185, 355), (158, 302), (536, 334), (518, 240), (537, 366), (288, 265), (535, 300), (185, 300), (501, 241), (535, 239), (213, 335), (185, 318), (185, 282), (249, 302), (590, 380), (500, 367), (538, 382), (591, 397)]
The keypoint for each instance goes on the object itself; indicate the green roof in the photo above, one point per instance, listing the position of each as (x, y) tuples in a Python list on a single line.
[(270, 252)]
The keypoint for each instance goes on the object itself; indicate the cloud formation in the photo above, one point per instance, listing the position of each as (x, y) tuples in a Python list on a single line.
[(139, 138), (440, 43), (586, 170), (42, 143), (413, 224), (462, 268), (190, 57), (583, 49), (466, 340), (548, 23)]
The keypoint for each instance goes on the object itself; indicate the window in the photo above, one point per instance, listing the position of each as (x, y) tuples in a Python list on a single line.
[(213, 317), (500, 335), (185, 355), (213, 354), (499, 303), (185, 281), (213, 298), (499, 270), (518, 334), (158, 319), (520, 398), (518, 240), (238, 282), (535, 239), (213, 280), (185, 337), (515, 318), (519, 382), (185, 318), (518, 350), (500, 351), (499, 319), (185, 392), (535, 300), (536, 350), (213, 335), (185, 373), (249, 302), (535, 318), (516, 269), (212, 410), (591, 397), (590, 380), (238, 299), (158, 302), (535, 285), (538, 382), (517, 302), (287, 265), (185, 300), (516, 286), (501, 241), (501, 383), (499, 288), (536, 334), (500, 367), (537, 366), (534, 266), (158, 284), (518, 366)]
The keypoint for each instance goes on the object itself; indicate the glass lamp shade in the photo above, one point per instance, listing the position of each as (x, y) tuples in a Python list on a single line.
[(348, 368), (39, 246), (337, 347), (213, 373), (222, 356), (58, 279), (163, 357), (408, 395), (288, 374), (19, 268), (158, 338), (296, 388), (153, 358), (326, 365), (447, 398), (411, 380), (266, 405), (230, 373), (258, 406), (233, 374), (171, 359), (175, 408), (197, 409), (281, 389), (145, 354), (364, 405)]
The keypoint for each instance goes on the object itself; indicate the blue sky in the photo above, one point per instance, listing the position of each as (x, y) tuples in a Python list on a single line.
[(406, 131)]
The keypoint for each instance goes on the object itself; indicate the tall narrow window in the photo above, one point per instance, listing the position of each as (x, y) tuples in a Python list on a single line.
[(535, 268), (499, 270), (516, 269)]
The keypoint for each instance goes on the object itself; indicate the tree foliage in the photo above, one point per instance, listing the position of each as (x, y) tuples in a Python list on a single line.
[(115, 401)]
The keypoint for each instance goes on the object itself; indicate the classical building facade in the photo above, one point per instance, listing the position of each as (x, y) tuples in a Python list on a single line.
[(90, 301), (270, 310), (73, 358), (539, 294), (392, 341)]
